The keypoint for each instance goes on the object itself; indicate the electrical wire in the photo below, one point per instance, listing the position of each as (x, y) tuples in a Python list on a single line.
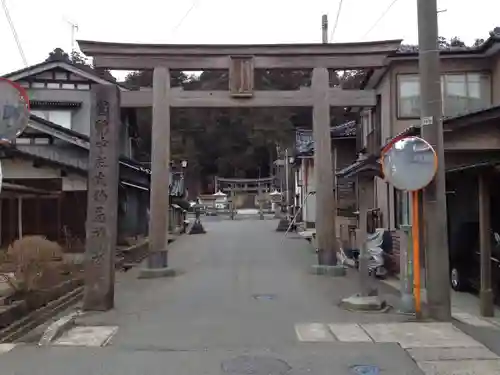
[(185, 16), (384, 13), (14, 32), (336, 20)]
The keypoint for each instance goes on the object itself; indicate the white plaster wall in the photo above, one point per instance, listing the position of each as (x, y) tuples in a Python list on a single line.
[(74, 182), (18, 168)]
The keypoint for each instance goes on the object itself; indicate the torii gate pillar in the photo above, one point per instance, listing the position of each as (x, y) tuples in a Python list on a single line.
[(157, 262), (326, 210)]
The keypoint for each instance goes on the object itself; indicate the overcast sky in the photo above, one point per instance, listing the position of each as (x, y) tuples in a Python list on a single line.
[(42, 25)]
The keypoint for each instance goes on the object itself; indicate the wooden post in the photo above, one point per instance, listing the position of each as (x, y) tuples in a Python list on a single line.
[(361, 237), (20, 217), (325, 200), (102, 199), (160, 171), (415, 235), (486, 293), (1, 222), (324, 28), (59, 216)]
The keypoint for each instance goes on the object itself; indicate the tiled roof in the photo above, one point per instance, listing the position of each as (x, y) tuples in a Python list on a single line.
[(494, 36), (304, 143), (60, 132)]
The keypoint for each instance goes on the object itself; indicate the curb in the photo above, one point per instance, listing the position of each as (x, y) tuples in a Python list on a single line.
[(55, 329), (40, 316)]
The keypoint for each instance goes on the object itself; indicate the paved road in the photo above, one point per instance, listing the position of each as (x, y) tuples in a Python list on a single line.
[(242, 291)]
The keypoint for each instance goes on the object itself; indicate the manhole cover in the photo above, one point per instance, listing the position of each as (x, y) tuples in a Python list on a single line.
[(264, 296), (365, 370), (248, 365)]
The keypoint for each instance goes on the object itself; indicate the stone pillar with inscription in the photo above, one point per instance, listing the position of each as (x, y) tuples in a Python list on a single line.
[(157, 262), (102, 199)]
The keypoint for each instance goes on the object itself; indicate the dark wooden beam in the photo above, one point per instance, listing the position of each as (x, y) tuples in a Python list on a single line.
[(128, 56), (124, 62), (298, 98), (94, 48)]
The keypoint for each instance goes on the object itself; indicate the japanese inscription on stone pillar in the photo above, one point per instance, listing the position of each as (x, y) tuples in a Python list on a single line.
[(102, 198)]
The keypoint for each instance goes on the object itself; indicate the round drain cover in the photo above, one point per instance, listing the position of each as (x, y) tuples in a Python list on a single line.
[(255, 365), (365, 370)]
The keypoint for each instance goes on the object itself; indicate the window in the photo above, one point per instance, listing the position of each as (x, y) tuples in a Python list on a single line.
[(23, 141), (61, 118), (83, 86), (462, 93), (63, 76), (409, 95), (41, 141)]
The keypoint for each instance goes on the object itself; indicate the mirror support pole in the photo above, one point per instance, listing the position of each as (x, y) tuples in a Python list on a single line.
[(406, 260), (486, 293), (434, 207)]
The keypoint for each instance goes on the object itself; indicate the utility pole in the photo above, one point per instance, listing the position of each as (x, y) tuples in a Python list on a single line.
[(324, 28), (436, 231), (287, 196), (74, 29)]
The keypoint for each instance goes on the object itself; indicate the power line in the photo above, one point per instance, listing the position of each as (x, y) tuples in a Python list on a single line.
[(188, 12), (14, 32), (336, 20), (384, 13)]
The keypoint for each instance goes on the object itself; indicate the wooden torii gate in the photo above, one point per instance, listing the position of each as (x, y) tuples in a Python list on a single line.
[(243, 184), (241, 61)]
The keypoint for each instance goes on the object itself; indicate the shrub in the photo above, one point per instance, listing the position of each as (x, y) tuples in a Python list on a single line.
[(33, 256)]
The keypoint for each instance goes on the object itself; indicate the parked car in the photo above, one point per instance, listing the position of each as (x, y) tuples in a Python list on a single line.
[(465, 266)]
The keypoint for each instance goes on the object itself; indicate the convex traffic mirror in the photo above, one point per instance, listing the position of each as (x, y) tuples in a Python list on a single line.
[(409, 164), (14, 110)]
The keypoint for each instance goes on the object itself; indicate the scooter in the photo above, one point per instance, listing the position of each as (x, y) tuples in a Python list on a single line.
[(375, 250), (374, 247)]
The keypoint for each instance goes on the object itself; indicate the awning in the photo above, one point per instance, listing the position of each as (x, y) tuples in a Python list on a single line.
[(11, 190), (60, 104), (476, 166), (369, 163)]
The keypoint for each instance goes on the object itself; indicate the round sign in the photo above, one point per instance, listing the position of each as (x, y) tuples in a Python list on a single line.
[(409, 163), (14, 110)]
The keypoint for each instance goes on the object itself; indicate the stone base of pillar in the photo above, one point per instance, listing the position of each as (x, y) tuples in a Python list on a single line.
[(486, 304), (154, 273), (334, 271), (283, 225), (407, 304), (196, 228), (358, 302)]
